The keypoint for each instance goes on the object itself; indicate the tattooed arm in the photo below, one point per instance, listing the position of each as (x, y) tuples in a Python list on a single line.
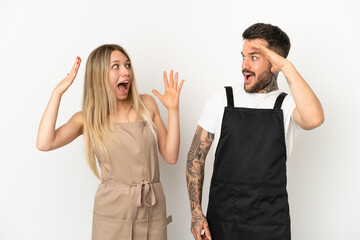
[(194, 177)]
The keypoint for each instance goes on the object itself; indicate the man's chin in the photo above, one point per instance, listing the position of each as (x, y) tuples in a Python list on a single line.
[(248, 89)]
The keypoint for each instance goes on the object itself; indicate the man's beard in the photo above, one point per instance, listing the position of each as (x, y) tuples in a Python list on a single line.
[(265, 79)]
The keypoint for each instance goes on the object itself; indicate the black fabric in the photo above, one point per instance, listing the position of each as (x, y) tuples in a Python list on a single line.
[(229, 96), (248, 198), (279, 100)]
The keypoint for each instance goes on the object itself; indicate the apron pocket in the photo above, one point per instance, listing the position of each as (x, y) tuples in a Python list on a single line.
[(221, 201), (105, 228), (274, 209), (158, 228), (247, 204)]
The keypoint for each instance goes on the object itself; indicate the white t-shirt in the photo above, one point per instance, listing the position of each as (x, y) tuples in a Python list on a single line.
[(212, 114)]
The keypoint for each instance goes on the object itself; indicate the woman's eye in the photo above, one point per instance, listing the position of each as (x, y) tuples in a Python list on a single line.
[(128, 65), (116, 66)]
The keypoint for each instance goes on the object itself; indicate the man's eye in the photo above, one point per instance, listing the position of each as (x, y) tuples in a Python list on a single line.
[(254, 58), (243, 57)]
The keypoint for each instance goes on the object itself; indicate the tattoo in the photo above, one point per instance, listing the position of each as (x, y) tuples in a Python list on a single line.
[(271, 86), (199, 187), (194, 152), (209, 138), (195, 166), (266, 82), (192, 195), (196, 220), (199, 220)]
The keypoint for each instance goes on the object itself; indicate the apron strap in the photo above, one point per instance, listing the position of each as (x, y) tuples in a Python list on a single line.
[(279, 100), (229, 96)]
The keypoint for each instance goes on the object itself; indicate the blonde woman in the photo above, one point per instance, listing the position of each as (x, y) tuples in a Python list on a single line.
[(124, 130)]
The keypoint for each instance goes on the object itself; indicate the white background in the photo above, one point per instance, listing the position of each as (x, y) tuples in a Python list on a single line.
[(50, 195)]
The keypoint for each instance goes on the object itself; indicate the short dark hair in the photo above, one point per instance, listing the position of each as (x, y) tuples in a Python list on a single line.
[(277, 39)]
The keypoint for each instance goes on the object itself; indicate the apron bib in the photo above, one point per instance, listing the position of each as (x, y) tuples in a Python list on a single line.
[(248, 198)]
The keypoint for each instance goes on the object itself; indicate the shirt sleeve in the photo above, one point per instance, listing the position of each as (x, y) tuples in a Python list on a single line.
[(291, 128), (211, 112), (291, 109)]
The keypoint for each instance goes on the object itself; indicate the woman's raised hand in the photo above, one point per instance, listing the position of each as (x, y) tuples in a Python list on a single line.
[(170, 99), (68, 80)]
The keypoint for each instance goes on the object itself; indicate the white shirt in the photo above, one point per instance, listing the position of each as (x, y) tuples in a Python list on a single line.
[(212, 114)]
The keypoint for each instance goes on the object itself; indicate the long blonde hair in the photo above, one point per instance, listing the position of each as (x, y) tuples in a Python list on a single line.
[(99, 102)]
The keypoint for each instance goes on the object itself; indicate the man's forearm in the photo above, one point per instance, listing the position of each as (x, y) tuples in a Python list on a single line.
[(195, 167), (308, 105)]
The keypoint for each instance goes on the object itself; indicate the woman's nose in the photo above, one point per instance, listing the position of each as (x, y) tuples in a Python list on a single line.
[(124, 71)]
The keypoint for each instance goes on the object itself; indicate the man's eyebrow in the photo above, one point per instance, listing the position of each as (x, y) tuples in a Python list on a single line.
[(252, 53)]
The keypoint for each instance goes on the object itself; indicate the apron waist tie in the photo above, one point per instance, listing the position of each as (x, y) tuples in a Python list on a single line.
[(149, 196)]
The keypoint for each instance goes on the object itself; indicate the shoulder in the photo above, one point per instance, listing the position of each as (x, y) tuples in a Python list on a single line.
[(288, 103), (149, 102), (213, 110), (218, 97), (78, 118), (146, 98)]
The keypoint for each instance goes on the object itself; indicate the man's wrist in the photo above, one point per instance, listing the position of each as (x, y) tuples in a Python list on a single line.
[(288, 66), (197, 210)]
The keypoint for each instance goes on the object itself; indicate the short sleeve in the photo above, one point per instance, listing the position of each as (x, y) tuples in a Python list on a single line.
[(212, 111), (291, 128)]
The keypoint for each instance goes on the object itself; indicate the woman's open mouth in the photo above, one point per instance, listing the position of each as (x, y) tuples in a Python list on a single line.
[(123, 86)]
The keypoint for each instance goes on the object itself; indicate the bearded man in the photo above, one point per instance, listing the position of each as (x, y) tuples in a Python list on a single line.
[(253, 125)]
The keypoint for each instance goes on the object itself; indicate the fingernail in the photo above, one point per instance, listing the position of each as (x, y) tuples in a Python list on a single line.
[(78, 62)]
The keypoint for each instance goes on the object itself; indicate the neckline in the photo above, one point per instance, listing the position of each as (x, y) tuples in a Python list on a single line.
[(140, 121), (256, 94)]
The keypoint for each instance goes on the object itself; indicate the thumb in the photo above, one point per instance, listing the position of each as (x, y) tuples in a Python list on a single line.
[(207, 233), (156, 93)]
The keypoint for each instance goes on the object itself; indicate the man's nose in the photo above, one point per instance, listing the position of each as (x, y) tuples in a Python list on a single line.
[(245, 64)]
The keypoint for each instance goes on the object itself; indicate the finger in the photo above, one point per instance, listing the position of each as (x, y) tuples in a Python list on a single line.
[(198, 234), (272, 70), (76, 64), (166, 83), (264, 50), (176, 80), (193, 233), (180, 86), (171, 79), (207, 233), (156, 93), (75, 68), (269, 54)]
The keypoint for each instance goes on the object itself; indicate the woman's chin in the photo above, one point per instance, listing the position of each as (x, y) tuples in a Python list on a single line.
[(121, 97)]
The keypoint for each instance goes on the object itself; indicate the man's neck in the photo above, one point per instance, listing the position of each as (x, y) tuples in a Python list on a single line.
[(271, 86)]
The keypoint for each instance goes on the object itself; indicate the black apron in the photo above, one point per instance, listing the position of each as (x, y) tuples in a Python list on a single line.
[(248, 198)]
